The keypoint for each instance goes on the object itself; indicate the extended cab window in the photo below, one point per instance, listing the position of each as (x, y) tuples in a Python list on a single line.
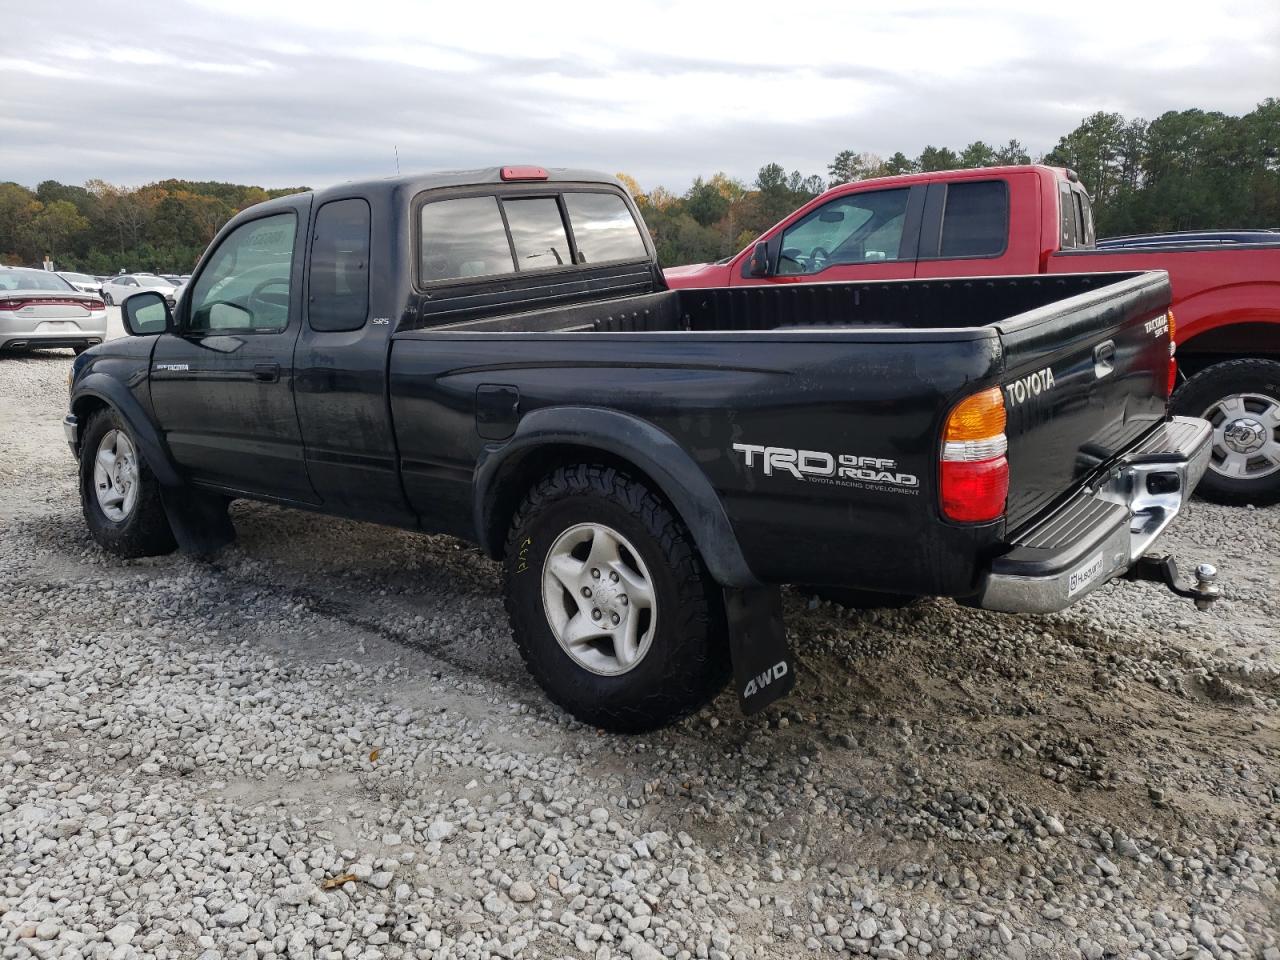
[(975, 221), (603, 228), (856, 228), (339, 291), (1067, 216), (245, 286), (463, 237)]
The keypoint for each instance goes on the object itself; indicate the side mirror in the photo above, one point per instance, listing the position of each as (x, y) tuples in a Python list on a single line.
[(146, 313), (759, 265)]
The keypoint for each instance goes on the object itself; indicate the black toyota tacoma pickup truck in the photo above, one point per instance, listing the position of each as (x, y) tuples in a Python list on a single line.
[(494, 354)]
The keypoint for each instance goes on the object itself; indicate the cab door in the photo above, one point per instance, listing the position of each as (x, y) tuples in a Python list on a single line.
[(966, 226), (222, 382), (861, 235)]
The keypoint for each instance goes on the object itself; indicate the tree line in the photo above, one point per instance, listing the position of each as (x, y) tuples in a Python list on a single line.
[(100, 228), (1187, 169)]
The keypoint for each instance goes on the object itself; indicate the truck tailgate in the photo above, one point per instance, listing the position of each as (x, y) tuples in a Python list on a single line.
[(1083, 379)]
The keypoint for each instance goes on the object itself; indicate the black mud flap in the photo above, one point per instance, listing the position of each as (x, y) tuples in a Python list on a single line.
[(199, 521), (762, 667)]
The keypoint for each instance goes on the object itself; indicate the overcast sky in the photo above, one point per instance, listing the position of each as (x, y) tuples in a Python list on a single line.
[(307, 92)]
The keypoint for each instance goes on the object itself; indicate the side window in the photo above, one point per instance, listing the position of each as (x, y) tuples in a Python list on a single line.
[(339, 281), (463, 237), (1067, 215), (603, 228), (857, 228), (1084, 218), (245, 285), (975, 221), (537, 233)]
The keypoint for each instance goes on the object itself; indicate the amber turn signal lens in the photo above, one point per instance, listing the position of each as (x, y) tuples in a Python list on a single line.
[(978, 417)]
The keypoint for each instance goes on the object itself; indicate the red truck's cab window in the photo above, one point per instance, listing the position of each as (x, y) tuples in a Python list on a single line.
[(857, 228), (975, 220)]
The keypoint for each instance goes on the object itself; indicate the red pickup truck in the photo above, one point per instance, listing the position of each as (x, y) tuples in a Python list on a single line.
[(1001, 221)]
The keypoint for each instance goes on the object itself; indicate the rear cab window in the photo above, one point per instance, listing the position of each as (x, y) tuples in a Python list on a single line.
[(975, 220), (1068, 232), (468, 238), (339, 279)]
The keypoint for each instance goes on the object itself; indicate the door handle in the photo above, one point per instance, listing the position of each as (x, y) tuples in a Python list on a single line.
[(1104, 358), (266, 372)]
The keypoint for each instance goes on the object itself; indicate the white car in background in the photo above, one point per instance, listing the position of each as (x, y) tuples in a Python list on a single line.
[(82, 282), (39, 309), (116, 289)]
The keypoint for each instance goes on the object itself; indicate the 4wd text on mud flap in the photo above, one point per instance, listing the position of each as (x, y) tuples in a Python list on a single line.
[(760, 681)]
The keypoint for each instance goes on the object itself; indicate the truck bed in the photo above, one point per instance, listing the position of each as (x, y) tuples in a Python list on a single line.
[(861, 368)]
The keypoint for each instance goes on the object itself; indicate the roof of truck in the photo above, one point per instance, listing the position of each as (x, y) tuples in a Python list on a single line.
[(514, 173)]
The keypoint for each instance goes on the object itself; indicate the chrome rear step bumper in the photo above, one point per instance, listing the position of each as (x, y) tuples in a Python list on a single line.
[(1103, 531)]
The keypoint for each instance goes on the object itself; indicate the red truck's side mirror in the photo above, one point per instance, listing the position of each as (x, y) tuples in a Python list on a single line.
[(759, 265)]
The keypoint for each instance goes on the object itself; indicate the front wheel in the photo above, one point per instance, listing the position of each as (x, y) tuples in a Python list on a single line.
[(118, 493), (1241, 401), (610, 603)]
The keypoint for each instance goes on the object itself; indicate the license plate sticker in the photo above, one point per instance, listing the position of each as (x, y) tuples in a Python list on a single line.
[(1085, 575)]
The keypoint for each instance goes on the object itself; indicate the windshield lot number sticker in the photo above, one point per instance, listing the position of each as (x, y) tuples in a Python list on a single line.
[(1084, 576)]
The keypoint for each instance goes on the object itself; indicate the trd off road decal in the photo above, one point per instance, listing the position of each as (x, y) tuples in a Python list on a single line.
[(840, 470)]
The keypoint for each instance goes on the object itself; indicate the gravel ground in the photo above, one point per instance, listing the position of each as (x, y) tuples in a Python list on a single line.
[(321, 744)]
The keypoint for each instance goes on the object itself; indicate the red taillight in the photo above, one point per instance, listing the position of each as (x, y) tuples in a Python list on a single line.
[(94, 305), (1173, 360), (975, 492), (524, 173), (974, 480), (17, 303)]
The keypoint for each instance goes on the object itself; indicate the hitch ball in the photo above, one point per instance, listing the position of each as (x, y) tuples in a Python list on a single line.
[(1206, 588)]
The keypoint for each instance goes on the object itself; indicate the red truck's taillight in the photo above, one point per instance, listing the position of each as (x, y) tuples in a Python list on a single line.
[(974, 479), (1173, 360)]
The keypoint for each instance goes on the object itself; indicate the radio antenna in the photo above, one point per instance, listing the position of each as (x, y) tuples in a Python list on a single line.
[(396, 147)]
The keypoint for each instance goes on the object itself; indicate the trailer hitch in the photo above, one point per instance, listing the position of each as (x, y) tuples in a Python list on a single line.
[(1164, 569)]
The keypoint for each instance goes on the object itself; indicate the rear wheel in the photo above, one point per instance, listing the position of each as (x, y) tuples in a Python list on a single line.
[(119, 495), (1241, 401), (610, 603)]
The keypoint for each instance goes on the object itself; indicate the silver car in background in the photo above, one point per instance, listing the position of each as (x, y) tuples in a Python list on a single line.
[(39, 309)]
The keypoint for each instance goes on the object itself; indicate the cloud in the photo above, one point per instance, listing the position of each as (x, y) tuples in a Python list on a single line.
[(289, 92)]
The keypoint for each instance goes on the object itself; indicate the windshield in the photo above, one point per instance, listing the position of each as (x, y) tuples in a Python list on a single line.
[(33, 280), (77, 277)]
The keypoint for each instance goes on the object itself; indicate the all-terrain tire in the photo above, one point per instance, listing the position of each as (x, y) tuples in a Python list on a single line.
[(1258, 378), (145, 531), (687, 661)]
